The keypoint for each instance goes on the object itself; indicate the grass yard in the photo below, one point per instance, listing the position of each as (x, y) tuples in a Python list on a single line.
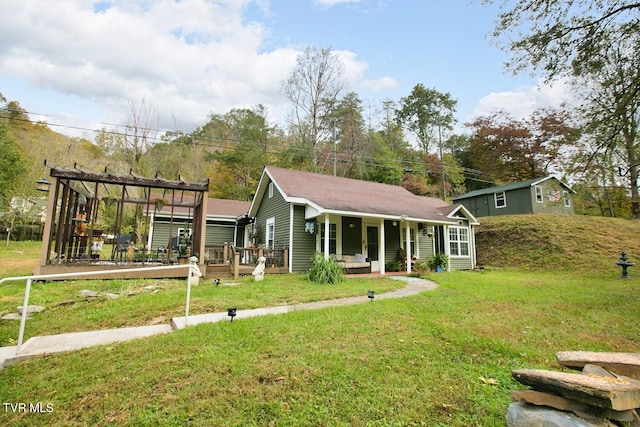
[(440, 358)]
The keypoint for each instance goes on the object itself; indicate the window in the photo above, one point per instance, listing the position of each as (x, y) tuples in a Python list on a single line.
[(539, 197), (459, 241), (270, 238), (184, 233), (501, 199), (412, 240), (567, 200), (270, 189), (333, 242)]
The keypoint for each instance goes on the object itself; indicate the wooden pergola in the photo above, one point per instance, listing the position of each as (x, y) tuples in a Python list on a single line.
[(73, 205)]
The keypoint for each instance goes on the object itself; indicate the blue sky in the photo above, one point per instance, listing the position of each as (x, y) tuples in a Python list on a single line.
[(81, 64)]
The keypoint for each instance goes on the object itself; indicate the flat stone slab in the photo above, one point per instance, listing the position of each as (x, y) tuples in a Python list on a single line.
[(627, 364), (605, 392), (31, 309), (12, 316)]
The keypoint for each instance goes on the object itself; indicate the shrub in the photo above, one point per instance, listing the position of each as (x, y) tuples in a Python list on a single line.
[(393, 266), (325, 271), (421, 267)]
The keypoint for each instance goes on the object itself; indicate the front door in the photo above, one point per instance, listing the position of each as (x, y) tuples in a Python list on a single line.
[(373, 245)]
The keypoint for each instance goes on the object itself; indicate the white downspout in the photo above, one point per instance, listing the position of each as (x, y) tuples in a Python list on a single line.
[(381, 249), (291, 211)]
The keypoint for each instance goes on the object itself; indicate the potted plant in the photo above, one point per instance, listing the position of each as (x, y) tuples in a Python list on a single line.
[(184, 249), (438, 262)]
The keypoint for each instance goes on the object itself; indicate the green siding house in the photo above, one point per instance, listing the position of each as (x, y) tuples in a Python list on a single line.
[(541, 195), (310, 213), (226, 221)]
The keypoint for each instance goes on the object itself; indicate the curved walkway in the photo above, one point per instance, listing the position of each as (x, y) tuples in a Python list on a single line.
[(77, 340)]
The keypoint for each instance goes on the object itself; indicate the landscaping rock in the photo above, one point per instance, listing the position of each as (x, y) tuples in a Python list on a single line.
[(87, 294), (109, 295), (67, 302), (31, 309), (525, 415), (11, 316)]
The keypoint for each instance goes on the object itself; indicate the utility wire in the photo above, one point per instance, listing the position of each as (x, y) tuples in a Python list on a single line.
[(292, 149)]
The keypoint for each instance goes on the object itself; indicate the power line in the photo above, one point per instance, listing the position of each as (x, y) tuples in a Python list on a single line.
[(291, 149)]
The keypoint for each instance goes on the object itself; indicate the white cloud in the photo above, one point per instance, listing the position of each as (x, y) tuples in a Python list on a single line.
[(383, 83), (330, 3), (520, 103), (187, 58)]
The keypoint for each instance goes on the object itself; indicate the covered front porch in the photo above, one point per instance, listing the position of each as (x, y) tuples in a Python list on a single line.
[(392, 244)]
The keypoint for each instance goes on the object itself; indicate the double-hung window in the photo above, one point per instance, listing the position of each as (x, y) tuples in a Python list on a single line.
[(270, 237), (459, 241), (333, 241), (539, 197), (501, 199)]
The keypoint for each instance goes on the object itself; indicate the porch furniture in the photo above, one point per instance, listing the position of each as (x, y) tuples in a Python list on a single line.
[(354, 264)]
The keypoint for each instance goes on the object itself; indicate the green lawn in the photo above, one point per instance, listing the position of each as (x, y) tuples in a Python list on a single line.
[(441, 358)]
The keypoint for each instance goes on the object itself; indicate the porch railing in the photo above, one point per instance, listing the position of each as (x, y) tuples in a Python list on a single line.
[(239, 256)]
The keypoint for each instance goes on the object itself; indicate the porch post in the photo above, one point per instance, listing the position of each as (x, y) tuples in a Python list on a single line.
[(447, 249), (49, 220), (381, 248), (408, 246), (326, 236)]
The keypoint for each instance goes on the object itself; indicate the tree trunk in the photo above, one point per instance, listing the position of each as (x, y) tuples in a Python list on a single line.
[(633, 174)]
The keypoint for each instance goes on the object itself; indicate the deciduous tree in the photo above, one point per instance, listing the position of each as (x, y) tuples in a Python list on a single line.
[(314, 88), (516, 150), (427, 113)]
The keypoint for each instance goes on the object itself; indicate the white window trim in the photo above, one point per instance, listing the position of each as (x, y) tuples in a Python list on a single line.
[(468, 241), (415, 246), (504, 197), (269, 222), (539, 194), (270, 189), (320, 240)]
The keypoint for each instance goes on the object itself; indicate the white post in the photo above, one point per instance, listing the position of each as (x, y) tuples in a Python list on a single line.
[(408, 246), (186, 311), (326, 236), (23, 319)]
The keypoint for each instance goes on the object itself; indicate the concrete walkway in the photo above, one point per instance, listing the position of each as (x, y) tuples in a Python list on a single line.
[(77, 340)]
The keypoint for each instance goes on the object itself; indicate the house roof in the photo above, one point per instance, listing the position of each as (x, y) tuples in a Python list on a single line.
[(327, 193), (215, 208), (509, 187)]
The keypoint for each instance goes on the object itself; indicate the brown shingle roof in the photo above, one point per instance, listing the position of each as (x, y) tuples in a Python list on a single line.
[(350, 195)]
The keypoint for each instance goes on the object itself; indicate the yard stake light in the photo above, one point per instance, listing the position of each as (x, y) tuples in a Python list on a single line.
[(371, 295), (231, 312)]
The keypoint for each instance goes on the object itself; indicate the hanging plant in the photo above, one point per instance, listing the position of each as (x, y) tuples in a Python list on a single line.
[(159, 203), (108, 202)]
